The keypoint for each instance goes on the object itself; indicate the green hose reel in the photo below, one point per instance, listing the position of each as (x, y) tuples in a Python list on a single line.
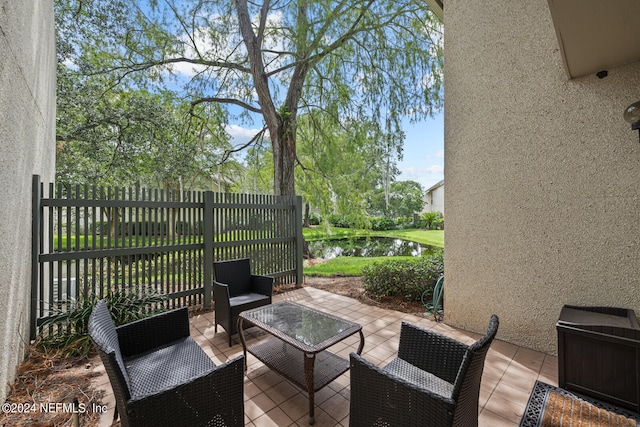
[(435, 306)]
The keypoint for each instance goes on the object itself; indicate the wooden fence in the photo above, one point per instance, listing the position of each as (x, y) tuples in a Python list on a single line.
[(89, 241)]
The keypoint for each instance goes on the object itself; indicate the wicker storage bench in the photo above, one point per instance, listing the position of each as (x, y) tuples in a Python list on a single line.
[(599, 354)]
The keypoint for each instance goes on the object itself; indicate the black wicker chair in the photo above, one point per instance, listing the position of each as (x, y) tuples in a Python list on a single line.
[(161, 377), (434, 382), (235, 290)]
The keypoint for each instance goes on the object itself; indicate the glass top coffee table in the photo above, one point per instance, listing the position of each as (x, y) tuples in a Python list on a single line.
[(297, 347)]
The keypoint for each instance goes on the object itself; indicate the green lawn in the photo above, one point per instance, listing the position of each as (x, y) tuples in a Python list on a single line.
[(352, 266), (341, 266), (426, 237), (85, 242), (344, 266)]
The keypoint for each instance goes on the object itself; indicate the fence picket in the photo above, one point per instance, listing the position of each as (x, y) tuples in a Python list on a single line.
[(96, 240)]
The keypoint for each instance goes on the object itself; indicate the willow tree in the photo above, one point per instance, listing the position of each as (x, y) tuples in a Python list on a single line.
[(341, 162), (375, 60)]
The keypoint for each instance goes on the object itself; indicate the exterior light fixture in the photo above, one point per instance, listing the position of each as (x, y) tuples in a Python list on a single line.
[(632, 115)]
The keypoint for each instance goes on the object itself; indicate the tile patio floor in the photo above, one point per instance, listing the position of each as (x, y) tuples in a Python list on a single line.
[(509, 374)]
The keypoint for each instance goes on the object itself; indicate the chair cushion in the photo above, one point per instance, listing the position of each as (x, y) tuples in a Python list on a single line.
[(241, 283), (166, 367), (417, 376), (236, 274), (103, 332), (250, 300)]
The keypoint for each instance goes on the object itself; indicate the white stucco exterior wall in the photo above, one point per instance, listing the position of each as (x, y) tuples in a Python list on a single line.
[(542, 173), (27, 132), (434, 199)]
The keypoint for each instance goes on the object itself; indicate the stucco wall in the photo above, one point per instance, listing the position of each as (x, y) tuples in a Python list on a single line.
[(27, 147), (434, 200), (542, 173)]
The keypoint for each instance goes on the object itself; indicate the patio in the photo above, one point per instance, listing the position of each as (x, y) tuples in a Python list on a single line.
[(509, 374)]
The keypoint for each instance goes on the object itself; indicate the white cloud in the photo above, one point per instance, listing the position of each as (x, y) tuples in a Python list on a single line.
[(200, 43), (426, 176), (414, 172), (186, 69), (70, 64), (227, 46), (437, 155), (240, 135)]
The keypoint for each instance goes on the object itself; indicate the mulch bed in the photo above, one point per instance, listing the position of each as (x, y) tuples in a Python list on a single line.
[(45, 388), (352, 287)]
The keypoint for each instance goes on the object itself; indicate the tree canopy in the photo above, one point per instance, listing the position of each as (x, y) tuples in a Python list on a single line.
[(404, 199), (132, 136), (339, 163), (372, 61)]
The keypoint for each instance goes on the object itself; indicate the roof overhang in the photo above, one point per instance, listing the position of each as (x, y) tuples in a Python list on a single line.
[(596, 35), (437, 7), (435, 186)]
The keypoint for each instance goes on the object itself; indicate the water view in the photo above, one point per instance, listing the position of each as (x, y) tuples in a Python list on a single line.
[(372, 247)]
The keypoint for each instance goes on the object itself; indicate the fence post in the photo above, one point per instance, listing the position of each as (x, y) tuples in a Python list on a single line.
[(208, 248), (36, 217), (299, 240)]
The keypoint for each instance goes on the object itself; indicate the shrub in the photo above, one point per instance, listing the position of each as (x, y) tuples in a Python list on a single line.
[(315, 219), (133, 228), (432, 221), (404, 220), (346, 221), (99, 227), (403, 278), (340, 221), (404, 223), (382, 223), (68, 330), (437, 224)]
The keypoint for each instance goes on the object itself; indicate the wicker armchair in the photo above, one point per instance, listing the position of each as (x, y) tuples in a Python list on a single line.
[(160, 376), (434, 382), (235, 290)]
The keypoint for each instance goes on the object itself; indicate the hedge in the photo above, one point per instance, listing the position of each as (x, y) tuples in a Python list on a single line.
[(403, 278)]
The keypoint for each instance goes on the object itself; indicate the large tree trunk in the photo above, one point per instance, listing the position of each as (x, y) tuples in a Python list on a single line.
[(305, 222), (280, 122), (284, 157)]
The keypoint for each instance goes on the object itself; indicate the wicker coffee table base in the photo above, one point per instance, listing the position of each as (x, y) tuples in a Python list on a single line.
[(309, 371)]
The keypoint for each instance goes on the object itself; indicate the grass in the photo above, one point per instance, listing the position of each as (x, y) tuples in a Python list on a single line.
[(344, 266), (425, 237), (82, 242), (352, 266), (341, 266), (86, 242)]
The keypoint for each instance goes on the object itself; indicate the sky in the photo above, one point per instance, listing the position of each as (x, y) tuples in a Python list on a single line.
[(423, 156), (423, 153)]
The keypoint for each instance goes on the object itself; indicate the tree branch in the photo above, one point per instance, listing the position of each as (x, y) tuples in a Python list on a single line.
[(264, 11), (228, 153), (146, 65), (225, 101), (348, 35), (260, 79)]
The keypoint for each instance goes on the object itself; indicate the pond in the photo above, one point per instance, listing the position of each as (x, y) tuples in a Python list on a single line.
[(371, 247)]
